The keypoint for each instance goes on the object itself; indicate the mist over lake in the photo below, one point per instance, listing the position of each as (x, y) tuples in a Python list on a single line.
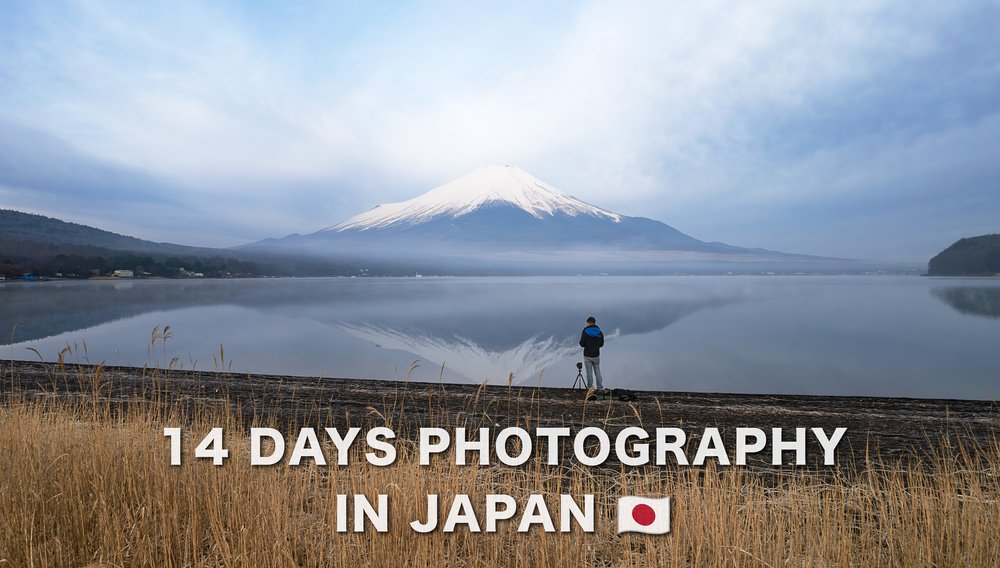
[(834, 335)]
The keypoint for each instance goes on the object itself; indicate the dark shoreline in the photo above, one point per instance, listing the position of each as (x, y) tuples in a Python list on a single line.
[(887, 428)]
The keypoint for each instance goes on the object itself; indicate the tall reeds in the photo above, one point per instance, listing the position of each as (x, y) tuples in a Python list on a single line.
[(84, 482)]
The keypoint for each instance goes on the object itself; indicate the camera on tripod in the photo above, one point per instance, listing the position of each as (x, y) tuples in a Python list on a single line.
[(579, 382)]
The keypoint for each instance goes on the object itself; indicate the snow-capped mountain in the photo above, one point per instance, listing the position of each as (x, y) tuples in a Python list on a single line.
[(503, 220), (501, 209), (486, 187)]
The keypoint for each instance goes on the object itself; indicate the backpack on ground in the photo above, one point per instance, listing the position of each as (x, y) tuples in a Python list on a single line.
[(624, 395)]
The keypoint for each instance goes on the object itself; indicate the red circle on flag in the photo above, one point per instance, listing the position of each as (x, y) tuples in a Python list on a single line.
[(643, 514)]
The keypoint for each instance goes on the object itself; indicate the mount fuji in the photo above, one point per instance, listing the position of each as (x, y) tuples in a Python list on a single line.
[(506, 208), (502, 216), (489, 186)]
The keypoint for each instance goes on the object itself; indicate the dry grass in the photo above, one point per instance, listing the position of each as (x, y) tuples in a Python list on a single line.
[(83, 484)]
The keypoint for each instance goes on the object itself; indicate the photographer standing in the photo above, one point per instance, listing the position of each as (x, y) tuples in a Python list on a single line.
[(592, 339)]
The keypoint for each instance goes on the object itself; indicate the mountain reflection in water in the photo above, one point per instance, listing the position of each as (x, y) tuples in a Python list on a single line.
[(978, 301), (476, 328), (846, 335)]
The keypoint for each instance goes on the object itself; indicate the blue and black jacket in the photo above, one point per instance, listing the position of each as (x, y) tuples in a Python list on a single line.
[(592, 339)]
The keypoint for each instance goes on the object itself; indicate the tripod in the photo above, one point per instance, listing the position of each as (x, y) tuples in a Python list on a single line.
[(580, 382)]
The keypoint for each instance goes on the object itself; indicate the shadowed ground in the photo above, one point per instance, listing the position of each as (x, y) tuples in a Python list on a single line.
[(888, 428)]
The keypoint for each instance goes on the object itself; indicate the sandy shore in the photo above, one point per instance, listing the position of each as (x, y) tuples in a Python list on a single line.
[(890, 428)]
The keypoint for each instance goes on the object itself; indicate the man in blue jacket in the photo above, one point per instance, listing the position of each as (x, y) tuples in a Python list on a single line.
[(592, 339)]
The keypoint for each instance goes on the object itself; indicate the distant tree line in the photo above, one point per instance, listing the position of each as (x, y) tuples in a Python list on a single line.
[(45, 246), (42, 259), (19, 257)]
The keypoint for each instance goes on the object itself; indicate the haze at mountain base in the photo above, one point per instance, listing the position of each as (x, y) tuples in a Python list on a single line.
[(501, 219)]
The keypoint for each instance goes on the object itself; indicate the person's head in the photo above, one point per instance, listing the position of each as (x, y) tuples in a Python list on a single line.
[(591, 320)]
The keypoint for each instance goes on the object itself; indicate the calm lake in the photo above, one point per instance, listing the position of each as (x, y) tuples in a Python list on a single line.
[(838, 335)]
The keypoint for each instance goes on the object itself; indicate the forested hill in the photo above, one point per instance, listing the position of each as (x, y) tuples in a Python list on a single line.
[(27, 227), (43, 246), (973, 256)]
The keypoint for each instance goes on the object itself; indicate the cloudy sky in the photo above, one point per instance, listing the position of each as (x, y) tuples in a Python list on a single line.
[(865, 129)]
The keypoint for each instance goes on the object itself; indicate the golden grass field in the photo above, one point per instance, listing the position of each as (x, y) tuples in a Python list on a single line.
[(86, 483)]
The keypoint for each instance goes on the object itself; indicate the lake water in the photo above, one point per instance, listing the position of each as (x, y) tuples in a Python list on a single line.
[(837, 335)]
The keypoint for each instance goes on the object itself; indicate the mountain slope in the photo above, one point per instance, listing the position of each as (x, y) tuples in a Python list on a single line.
[(497, 209), (487, 186), (45, 246), (500, 220), (28, 227), (973, 256)]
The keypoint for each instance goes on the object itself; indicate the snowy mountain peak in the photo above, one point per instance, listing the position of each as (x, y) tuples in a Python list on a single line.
[(489, 185)]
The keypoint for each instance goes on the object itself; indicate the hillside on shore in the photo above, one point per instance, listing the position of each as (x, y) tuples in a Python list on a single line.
[(973, 256), (44, 246)]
